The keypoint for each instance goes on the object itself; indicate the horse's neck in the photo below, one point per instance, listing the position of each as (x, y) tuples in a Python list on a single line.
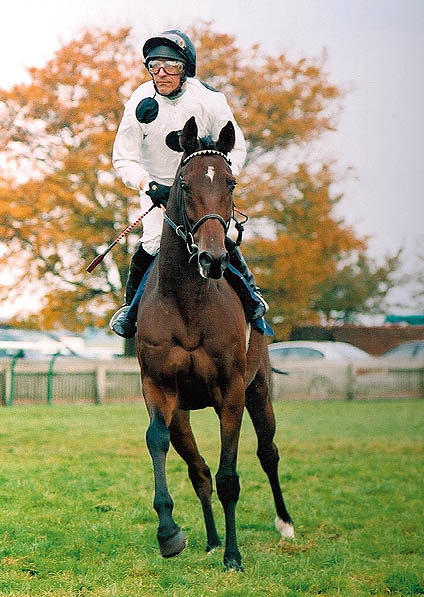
[(177, 277)]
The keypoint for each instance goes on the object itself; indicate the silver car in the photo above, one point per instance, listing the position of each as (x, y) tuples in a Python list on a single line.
[(314, 369), (413, 349)]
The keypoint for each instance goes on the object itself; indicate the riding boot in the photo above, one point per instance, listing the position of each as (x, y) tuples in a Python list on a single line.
[(120, 323), (238, 262), (138, 267)]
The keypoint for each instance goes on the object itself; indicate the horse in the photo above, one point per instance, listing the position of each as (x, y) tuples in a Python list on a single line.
[(191, 346)]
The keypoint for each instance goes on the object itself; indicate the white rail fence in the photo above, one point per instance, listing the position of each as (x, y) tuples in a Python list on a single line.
[(65, 379), (305, 380)]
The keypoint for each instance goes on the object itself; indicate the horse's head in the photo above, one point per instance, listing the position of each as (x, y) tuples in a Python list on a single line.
[(204, 195)]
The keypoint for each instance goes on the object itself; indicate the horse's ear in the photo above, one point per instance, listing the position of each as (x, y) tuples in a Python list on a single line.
[(173, 141), (188, 139), (227, 138)]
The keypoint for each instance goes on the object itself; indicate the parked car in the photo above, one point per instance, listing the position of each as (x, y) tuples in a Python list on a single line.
[(315, 369), (34, 350), (36, 344), (319, 349), (412, 350), (9, 334)]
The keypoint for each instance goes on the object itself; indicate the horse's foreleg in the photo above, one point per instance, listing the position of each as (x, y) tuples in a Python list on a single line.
[(183, 440), (227, 479), (258, 404), (170, 537)]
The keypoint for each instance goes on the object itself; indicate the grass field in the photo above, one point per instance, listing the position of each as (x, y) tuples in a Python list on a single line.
[(77, 518)]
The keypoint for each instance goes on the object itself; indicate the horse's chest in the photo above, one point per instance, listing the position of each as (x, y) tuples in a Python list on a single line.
[(197, 376), (193, 363)]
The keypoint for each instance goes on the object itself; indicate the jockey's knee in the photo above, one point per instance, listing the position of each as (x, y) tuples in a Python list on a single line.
[(151, 244)]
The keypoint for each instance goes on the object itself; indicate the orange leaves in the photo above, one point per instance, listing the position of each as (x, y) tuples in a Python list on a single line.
[(305, 241), (276, 101), (64, 203)]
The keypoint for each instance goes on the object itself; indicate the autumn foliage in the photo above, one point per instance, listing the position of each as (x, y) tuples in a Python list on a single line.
[(61, 201)]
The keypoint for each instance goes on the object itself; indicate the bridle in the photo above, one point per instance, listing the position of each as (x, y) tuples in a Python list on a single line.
[(187, 230)]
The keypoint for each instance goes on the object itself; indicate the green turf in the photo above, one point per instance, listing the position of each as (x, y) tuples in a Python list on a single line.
[(77, 517)]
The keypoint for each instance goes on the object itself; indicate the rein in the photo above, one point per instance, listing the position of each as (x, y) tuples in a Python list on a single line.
[(187, 230)]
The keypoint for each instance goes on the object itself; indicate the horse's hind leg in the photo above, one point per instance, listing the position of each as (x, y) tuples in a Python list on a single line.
[(258, 404), (184, 443), (227, 479)]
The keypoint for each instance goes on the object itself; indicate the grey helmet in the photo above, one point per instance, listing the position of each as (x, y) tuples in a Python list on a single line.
[(173, 44)]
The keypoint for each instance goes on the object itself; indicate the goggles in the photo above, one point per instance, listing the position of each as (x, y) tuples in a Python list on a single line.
[(171, 67)]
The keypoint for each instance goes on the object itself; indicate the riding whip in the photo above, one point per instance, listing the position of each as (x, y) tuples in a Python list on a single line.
[(100, 258)]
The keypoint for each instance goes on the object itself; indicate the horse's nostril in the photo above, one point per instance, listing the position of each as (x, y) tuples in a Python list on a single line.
[(213, 267), (205, 259)]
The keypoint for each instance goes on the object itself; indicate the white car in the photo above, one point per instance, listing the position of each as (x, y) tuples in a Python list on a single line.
[(413, 349), (33, 350), (314, 369)]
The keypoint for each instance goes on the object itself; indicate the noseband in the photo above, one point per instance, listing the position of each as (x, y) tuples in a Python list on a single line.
[(187, 230)]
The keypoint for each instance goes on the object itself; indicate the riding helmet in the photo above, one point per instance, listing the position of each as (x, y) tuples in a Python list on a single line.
[(172, 44)]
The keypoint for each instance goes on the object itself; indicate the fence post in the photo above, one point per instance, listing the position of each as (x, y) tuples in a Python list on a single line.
[(5, 373), (50, 375), (100, 383), (15, 359), (350, 382)]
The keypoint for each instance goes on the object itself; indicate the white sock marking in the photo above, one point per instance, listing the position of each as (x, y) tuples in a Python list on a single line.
[(284, 528)]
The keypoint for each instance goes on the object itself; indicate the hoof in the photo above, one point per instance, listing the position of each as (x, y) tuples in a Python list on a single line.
[(286, 529), (211, 547), (233, 565), (173, 545)]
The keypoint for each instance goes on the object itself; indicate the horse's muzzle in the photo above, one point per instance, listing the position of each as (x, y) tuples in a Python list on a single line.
[(212, 267)]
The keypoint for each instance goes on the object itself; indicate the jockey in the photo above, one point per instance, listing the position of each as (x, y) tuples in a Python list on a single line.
[(147, 165)]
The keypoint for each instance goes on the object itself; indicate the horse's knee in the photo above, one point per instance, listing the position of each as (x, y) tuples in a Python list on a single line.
[(228, 487), (157, 437)]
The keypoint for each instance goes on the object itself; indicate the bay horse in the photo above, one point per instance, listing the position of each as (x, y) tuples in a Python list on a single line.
[(191, 345)]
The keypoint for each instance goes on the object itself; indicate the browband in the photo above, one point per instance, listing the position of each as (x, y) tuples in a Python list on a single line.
[(206, 152)]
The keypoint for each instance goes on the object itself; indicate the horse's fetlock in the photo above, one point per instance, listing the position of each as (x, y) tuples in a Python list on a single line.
[(163, 504)]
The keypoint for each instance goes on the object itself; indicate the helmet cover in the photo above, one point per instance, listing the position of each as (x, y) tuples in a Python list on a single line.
[(178, 42)]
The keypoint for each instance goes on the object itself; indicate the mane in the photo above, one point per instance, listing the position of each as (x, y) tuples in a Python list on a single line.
[(207, 142)]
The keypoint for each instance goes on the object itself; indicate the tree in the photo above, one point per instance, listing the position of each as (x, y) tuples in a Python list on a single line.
[(416, 278), (307, 246), (299, 245), (61, 200), (66, 201), (356, 288)]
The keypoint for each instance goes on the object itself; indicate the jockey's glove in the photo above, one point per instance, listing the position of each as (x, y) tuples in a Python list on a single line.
[(158, 193)]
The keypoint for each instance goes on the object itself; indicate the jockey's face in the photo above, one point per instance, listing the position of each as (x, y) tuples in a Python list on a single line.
[(166, 83)]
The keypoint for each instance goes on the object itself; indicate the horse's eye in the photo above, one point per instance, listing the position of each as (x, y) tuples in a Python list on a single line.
[(185, 187), (232, 185)]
